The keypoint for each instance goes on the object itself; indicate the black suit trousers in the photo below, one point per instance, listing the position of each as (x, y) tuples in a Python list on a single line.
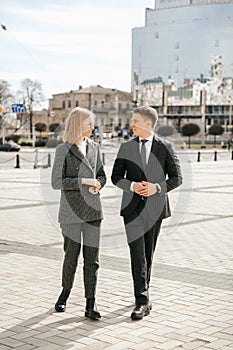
[(142, 234)]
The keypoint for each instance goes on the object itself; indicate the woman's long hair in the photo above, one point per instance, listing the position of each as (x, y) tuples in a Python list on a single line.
[(74, 125)]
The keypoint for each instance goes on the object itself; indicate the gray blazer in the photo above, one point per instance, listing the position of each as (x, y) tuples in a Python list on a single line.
[(77, 204)]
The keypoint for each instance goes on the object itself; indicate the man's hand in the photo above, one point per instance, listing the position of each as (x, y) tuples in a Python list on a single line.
[(138, 188), (147, 189)]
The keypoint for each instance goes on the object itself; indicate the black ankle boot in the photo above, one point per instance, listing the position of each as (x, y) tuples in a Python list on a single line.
[(60, 305), (90, 312)]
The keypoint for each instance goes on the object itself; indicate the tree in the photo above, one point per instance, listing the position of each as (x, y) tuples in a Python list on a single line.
[(53, 127), (40, 127), (32, 95), (165, 130), (190, 130), (216, 129), (5, 95)]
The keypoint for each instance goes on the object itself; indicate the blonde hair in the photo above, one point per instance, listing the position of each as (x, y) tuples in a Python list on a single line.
[(74, 128)]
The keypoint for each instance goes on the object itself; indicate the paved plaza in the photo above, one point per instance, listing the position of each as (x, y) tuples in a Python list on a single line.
[(192, 279)]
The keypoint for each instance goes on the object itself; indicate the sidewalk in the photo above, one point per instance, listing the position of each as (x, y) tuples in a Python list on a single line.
[(192, 281)]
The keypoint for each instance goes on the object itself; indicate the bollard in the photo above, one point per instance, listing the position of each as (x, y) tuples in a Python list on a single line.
[(103, 158), (17, 162), (49, 160), (199, 156), (215, 155), (35, 166)]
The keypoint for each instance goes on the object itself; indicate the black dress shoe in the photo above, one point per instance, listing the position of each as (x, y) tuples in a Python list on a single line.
[(140, 311), (60, 305), (90, 310)]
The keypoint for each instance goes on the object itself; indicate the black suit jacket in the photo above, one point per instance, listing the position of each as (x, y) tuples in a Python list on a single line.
[(163, 167)]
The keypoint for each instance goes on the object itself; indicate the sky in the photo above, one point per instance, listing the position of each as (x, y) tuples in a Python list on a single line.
[(67, 43)]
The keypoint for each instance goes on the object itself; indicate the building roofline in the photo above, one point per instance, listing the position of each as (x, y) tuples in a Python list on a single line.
[(94, 89), (193, 3)]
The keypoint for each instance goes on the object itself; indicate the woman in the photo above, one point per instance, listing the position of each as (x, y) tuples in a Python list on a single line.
[(78, 172)]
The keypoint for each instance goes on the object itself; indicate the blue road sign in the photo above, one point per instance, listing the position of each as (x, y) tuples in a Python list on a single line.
[(17, 108)]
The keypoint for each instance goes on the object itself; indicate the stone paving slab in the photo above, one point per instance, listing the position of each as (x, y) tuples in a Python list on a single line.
[(192, 280)]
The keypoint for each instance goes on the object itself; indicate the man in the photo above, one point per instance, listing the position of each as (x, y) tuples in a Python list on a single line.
[(146, 168)]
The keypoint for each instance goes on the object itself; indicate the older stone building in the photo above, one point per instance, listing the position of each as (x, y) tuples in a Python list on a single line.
[(112, 107)]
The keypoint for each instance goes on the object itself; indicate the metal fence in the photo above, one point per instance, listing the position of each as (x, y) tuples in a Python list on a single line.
[(44, 158)]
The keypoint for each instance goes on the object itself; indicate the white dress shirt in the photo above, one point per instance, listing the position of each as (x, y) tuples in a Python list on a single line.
[(148, 146), (83, 147)]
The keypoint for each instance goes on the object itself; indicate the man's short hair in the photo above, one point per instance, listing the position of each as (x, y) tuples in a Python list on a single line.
[(149, 113)]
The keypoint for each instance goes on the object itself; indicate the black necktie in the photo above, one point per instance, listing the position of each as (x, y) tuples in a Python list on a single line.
[(143, 153)]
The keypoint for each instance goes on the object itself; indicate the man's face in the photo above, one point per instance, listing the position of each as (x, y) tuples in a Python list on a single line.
[(140, 125)]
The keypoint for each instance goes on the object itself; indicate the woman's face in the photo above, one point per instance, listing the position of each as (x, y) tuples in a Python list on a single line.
[(88, 127)]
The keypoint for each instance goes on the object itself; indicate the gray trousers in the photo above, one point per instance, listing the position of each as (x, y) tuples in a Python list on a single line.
[(87, 233)]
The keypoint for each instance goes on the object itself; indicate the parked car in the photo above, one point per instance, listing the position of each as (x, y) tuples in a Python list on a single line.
[(10, 147)]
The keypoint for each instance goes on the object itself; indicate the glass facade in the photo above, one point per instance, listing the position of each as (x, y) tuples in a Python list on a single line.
[(179, 39)]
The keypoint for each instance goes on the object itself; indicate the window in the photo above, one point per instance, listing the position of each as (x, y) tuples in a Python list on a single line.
[(102, 104), (76, 103), (63, 104), (69, 104), (95, 103)]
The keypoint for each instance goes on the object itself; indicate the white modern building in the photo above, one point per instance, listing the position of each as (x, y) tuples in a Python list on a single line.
[(180, 37)]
